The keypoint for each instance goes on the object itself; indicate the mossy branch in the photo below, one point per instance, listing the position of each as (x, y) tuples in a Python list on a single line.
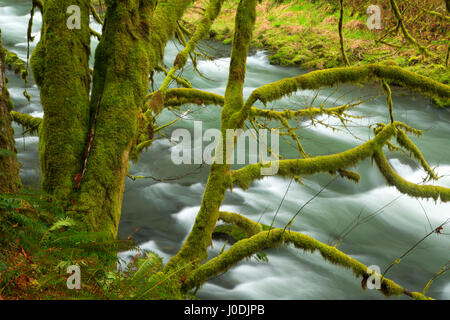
[(309, 112), (388, 92), (14, 63), (405, 142), (181, 96), (406, 187), (181, 81), (249, 226), (444, 269), (196, 244), (434, 13), (405, 31), (95, 14), (332, 163), (95, 34), (201, 31), (28, 122), (341, 36), (277, 237), (358, 74)]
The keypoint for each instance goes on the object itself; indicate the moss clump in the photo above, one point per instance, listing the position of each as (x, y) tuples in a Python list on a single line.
[(14, 63), (230, 233), (31, 124)]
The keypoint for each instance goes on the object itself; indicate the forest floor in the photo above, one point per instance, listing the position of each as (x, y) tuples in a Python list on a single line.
[(305, 33)]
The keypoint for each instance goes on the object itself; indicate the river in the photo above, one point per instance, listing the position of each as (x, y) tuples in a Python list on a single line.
[(159, 215)]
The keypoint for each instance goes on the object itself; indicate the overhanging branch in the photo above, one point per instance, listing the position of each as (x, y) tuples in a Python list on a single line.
[(358, 74), (277, 237)]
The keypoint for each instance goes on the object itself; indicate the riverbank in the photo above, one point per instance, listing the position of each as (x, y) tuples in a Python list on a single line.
[(305, 34)]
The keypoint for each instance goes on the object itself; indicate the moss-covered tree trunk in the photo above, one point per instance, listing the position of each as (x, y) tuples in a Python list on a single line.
[(195, 248), (86, 138), (9, 168), (60, 67)]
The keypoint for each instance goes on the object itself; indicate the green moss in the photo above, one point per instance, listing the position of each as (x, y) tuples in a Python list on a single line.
[(9, 167), (332, 163), (14, 63), (134, 36), (336, 76), (274, 238), (28, 122), (37, 63), (230, 232), (60, 66), (195, 247), (405, 31), (406, 187)]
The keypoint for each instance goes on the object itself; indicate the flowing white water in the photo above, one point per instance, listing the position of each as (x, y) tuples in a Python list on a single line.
[(160, 215)]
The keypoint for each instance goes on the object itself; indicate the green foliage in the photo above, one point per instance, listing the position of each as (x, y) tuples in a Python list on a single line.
[(39, 241)]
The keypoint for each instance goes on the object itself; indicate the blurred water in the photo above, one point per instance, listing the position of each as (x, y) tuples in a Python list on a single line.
[(160, 215)]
